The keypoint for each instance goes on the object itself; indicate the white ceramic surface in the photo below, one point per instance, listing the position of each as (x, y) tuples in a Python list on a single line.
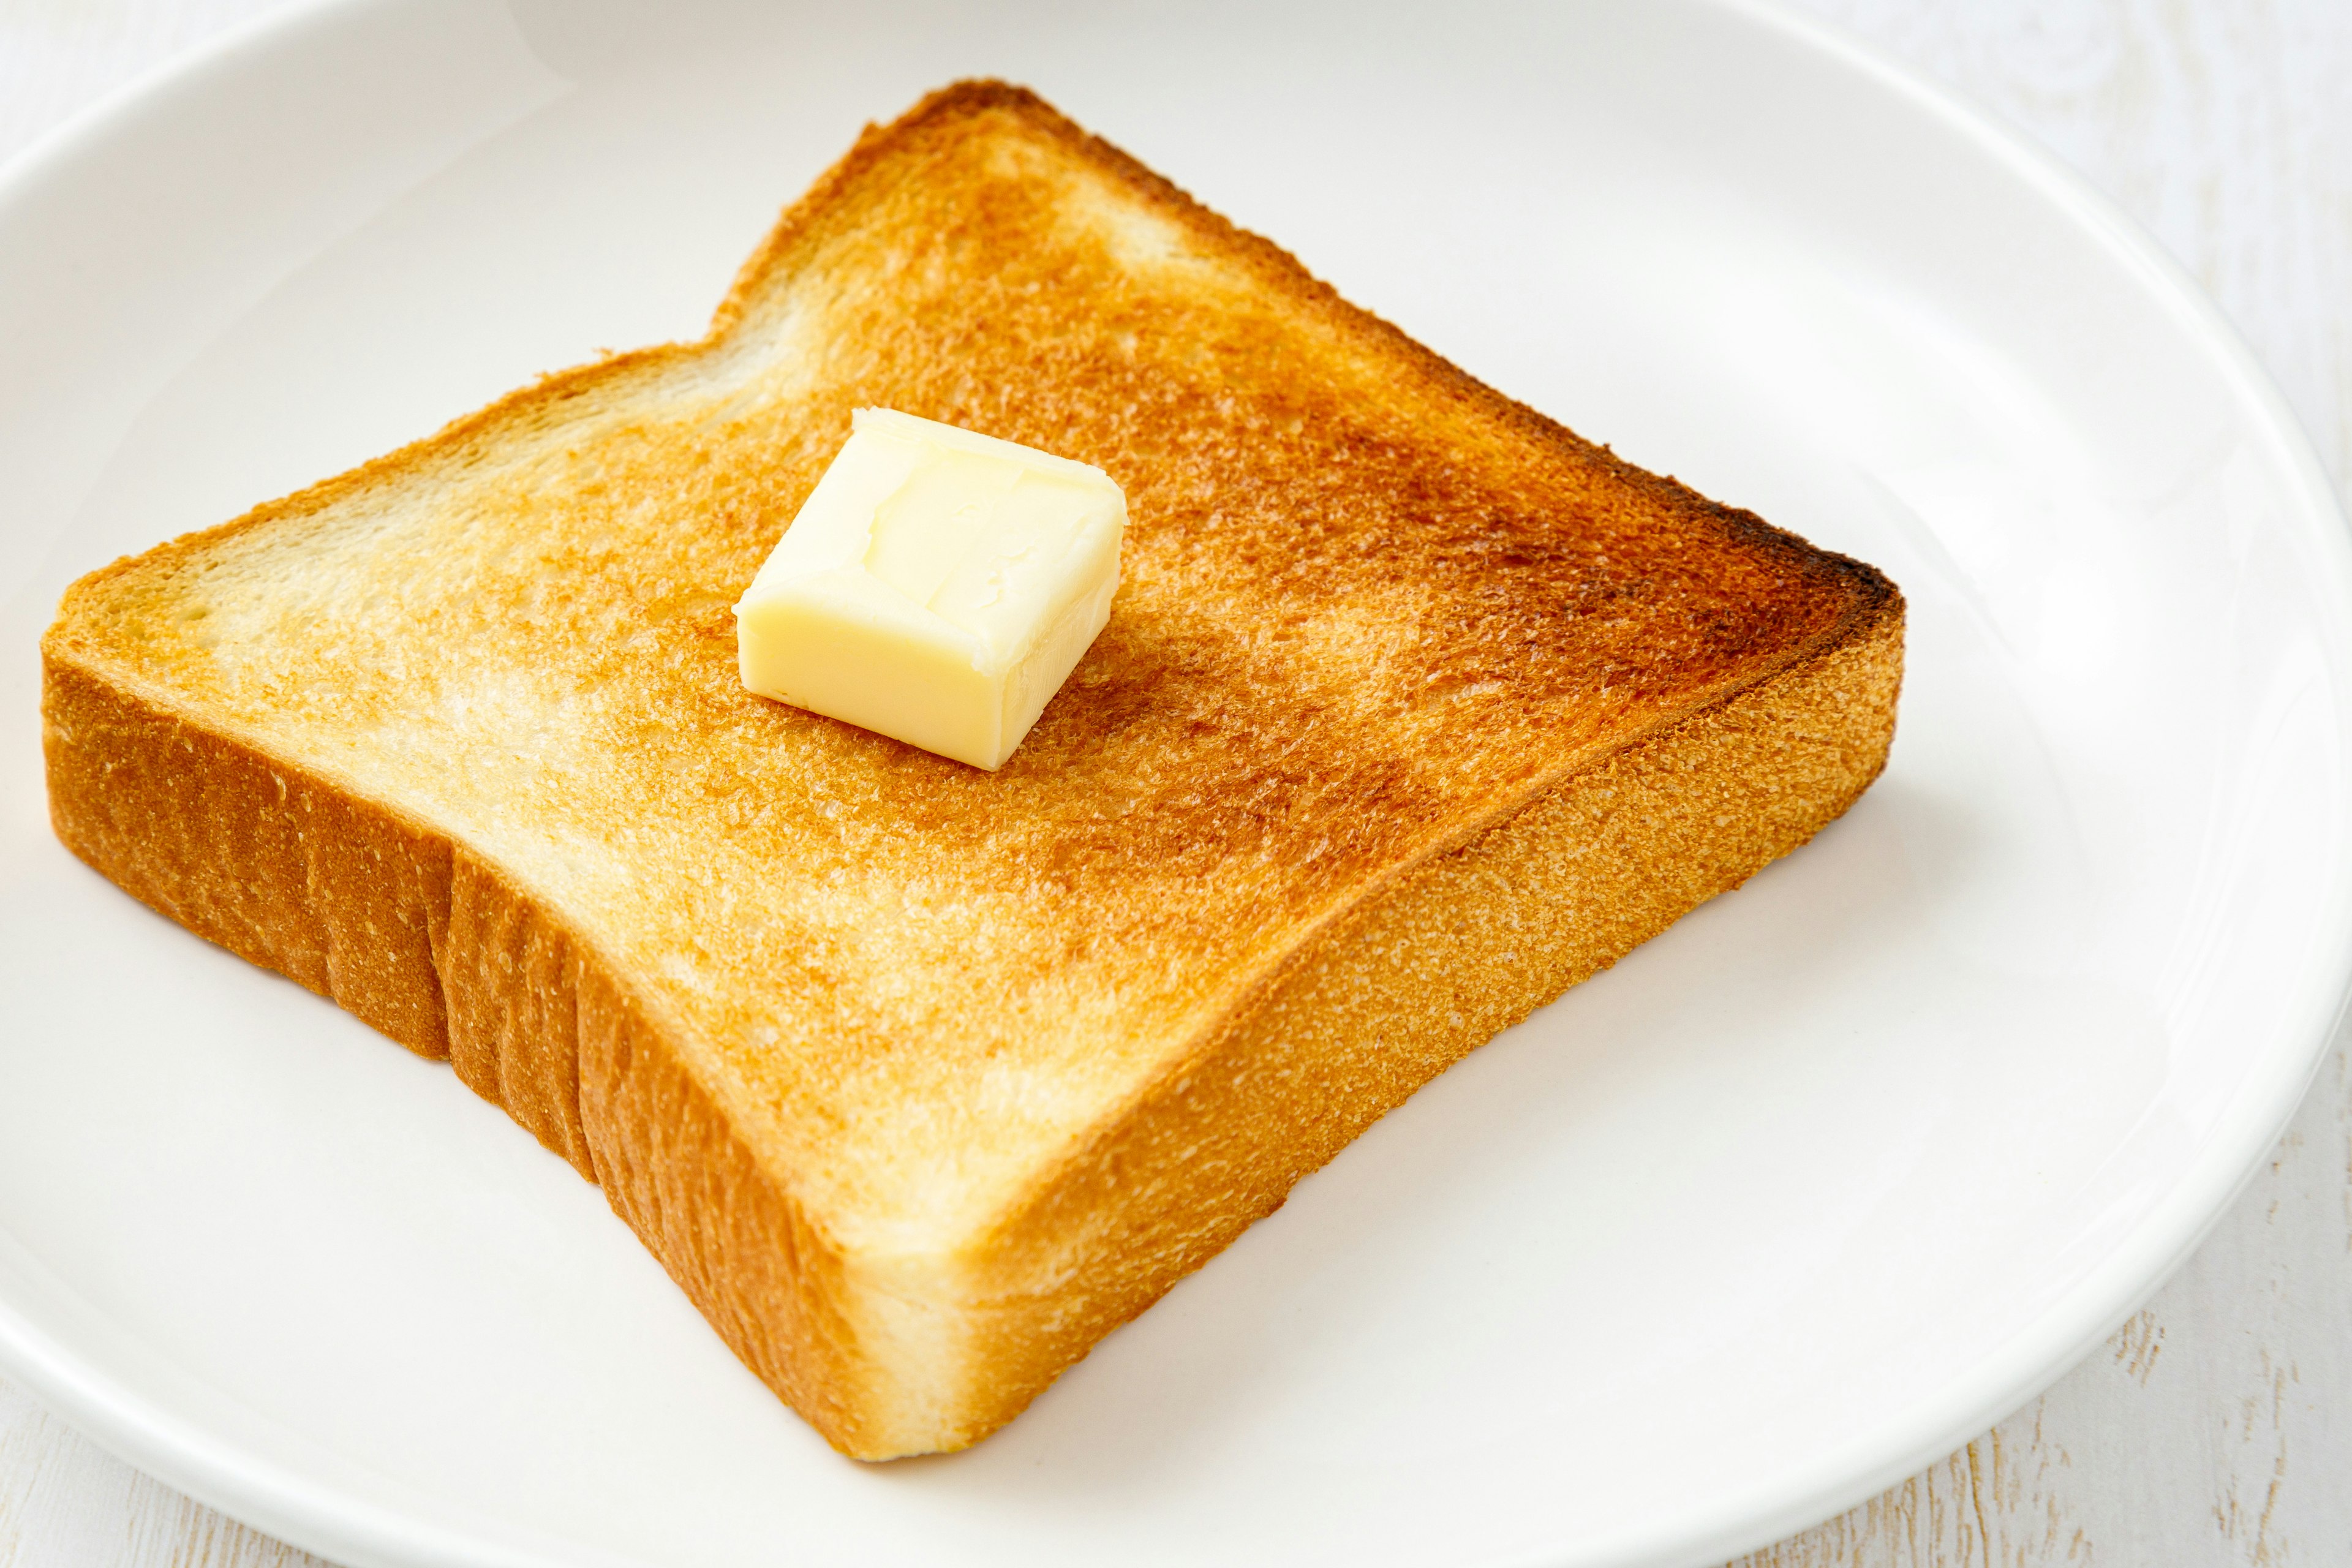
[(1798, 1195)]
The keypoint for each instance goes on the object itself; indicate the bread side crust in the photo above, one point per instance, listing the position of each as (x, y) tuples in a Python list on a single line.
[(1461, 947), (432, 946), (427, 942)]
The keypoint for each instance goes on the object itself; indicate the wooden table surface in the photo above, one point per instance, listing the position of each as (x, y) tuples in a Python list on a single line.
[(2216, 1427)]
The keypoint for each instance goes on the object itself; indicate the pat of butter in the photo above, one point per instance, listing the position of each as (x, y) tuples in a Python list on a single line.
[(938, 587)]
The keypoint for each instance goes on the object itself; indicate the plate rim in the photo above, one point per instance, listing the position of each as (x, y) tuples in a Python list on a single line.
[(2259, 1113), (220, 1473)]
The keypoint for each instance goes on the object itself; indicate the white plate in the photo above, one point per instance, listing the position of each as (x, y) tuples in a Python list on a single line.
[(1802, 1193)]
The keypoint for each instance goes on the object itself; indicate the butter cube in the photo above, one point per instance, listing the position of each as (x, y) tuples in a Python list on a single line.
[(938, 587)]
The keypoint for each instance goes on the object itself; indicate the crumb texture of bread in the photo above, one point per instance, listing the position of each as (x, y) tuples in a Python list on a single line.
[(1413, 710)]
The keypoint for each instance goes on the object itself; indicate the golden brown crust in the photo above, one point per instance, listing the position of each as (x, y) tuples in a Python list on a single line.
[(1461, 947), (1401, 673), (429, 945)]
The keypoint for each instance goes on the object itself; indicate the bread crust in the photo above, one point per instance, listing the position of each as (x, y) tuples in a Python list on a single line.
[(1427, 952)]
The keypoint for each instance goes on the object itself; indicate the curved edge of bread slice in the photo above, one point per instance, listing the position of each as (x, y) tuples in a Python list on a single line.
[(428, 942)]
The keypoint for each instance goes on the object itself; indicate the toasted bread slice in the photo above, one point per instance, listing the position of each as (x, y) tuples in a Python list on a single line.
[(1413, 710)]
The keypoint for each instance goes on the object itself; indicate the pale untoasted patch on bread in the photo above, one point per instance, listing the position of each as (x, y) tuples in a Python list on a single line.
[(918, 1317), (1013, 157), (1140, 239)]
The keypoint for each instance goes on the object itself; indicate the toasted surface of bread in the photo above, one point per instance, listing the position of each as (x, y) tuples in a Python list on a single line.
[(1412, 711)]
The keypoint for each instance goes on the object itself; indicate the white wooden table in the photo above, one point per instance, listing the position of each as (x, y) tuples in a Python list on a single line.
[(2216, 1427)]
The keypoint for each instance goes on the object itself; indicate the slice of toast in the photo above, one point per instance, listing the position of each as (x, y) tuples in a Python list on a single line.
[(1413, 710)]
